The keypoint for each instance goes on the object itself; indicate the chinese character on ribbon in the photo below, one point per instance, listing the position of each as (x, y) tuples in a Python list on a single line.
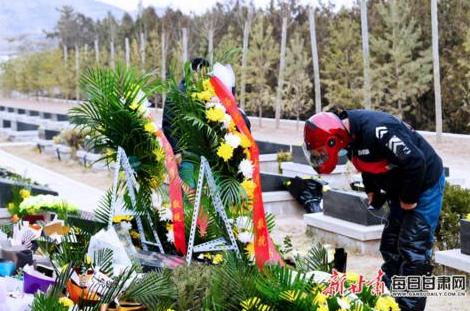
[(335, 284), (378, 286)]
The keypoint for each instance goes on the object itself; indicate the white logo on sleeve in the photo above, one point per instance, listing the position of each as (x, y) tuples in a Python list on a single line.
[(380, 131), (394, 143)]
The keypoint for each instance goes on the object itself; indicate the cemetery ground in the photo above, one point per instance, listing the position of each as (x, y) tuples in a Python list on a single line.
[(454, 149)]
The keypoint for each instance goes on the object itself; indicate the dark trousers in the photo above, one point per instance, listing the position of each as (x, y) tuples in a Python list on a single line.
[(407, 241)]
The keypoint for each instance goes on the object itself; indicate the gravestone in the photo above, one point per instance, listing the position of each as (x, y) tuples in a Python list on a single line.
[(23, 126), (351, 206), (268, 147), (49, 134), (33, 113), (465, 236), (273, 182), (11, 109), (6, 186), (6, 123), (21, 111)]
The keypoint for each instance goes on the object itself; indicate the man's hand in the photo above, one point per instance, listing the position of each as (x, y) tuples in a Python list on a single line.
[(408, 206), (370, 197), (178, 159)]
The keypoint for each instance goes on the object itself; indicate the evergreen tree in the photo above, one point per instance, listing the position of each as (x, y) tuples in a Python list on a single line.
[(297, 80), (262, 57), (343, 65), (401, 69)]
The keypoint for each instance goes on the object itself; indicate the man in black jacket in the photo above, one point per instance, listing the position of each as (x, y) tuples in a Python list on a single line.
[(397, 165)]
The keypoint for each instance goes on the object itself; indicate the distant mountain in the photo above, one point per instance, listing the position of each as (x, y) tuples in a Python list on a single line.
[(32, 17)]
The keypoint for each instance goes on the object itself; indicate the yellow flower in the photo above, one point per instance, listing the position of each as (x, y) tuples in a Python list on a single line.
[(134, 106), (169, 309), (218, 259), (323, 307), (320, 299), (109, 152), (24, 193), (154, 183), (249, 186), (11, 205), (134, 234), (169, 227), (150, 127), (232, 127), (245, 142), (207, 86), (121, 218), (352, 277), (250, 249), (215, 115), (386, 304), (66, 302), (468, 217), (225, 151), (247, 153), (87, 259), (159, 154)]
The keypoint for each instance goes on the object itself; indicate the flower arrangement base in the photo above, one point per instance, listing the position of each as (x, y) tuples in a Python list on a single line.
[(351, 206), (465, 236)]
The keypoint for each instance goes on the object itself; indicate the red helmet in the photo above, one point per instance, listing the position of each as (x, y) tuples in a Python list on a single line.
[(324, 137)]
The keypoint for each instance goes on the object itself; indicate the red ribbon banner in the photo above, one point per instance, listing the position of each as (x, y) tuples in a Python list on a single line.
[(264, 248), (176, 197)]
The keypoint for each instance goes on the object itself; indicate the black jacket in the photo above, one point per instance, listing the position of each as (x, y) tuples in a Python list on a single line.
[(391, 155)]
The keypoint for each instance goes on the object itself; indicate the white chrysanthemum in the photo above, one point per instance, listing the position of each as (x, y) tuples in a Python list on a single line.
[(170, 237), (246, 168), (209, 105), (244, 223), (245, 237), (165, 214), (233, 140), (343, 304), (220, 107), (226, 121)]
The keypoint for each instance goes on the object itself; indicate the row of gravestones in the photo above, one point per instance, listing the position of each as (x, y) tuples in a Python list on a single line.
[(351, 206)]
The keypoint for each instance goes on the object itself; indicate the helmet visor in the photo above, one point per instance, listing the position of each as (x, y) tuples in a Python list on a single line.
[(316, 157)]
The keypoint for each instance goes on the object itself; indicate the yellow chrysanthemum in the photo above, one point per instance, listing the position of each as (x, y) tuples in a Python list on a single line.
[(215, 115), (225, 151), (121, 218), (232, 127), (245, 142), (150, 127), (250, 249), (249, 186), (169, 309), (468, 217), (218, 259), (352, 277), (87, 259), (66, 302), (11, 205), (323, 307), (154, 183), (134, 234), (386, 304), (320, 299), (24, 193), (134, 106), (169, 227)]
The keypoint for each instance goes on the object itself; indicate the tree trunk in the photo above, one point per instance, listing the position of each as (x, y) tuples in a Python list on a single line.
[(280, 80), (246, 33), (113, 65), (437, 75), (211, 44), (142, 50), (365, 54), (128, 60), (316, 67), (97, 52), (260, 115), (163, 65), (297, 117), (77, 71), (185, 45)]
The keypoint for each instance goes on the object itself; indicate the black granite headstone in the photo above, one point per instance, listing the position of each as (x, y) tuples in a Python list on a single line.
[(6, 123), (21, 111), (269, 148), (6, 186), (45, 115), (11, 109), (351, 206), (62, 117), (273, 182), (33, 113), (22, 126), (465, 236), (49, 134), (2, 108)]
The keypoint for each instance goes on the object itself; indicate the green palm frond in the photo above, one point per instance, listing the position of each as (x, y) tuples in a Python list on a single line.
[(49, 301), (103, 258), (316, 260), (104, 209)]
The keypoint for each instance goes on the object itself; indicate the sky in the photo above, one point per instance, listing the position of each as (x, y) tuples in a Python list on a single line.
[(199, 6)]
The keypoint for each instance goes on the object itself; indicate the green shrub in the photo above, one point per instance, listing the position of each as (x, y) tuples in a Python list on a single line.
[(456, 205)]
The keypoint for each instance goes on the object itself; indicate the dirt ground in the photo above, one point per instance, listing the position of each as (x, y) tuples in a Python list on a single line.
[(100, 179)]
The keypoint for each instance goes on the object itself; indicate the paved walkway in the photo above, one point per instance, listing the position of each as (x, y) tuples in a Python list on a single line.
[(82, 195)]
